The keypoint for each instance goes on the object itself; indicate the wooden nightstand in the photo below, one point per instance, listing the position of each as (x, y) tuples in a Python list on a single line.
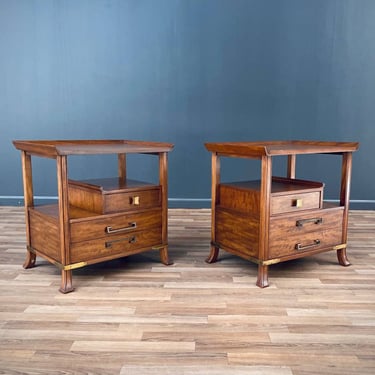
[(95, 220), (275, 219)]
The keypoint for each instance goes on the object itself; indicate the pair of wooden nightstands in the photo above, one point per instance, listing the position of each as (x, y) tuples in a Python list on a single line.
[(266, 221)]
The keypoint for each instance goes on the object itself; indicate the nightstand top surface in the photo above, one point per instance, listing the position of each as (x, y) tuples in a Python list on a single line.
[(273, 148), (53, 148)]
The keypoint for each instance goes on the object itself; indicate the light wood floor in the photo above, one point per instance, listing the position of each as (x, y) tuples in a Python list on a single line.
[(135, 316)]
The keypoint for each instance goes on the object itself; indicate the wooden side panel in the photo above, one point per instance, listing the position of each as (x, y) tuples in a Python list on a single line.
[(44, 234), (239, 199), (86, 199), (237, 233)]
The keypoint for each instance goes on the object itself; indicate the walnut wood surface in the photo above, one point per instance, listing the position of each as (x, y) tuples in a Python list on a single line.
[(272, 148), (134, 316), (53, 148)]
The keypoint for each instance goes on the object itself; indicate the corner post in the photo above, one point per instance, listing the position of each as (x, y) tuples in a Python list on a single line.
[(27, 177), (122, 167), (163, 181), (346, 172), (62, 187), (291, 172), (265, 193), (215, 181)]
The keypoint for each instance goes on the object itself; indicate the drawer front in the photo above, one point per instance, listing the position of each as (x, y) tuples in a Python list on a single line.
[(237, 232), (296, 234), (300, 223), (136, 200), (295, 202), (115, 246), (109, 226), (310, 242)]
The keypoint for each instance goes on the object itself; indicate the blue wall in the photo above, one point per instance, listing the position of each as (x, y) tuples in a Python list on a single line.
[(187, 72)]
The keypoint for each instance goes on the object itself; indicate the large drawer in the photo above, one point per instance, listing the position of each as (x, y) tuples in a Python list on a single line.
[(111, 225), (236, 232), (115, 246), (294, 234), (109, 195)]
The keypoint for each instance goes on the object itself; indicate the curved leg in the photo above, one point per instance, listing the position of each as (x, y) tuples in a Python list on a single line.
[(66, 282), (30, 260), (214, 253), (262, 281), (342, 258), (164, 258)]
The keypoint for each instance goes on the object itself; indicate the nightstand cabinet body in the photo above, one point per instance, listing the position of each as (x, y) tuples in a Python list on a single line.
[(275, 219), (95, 220)]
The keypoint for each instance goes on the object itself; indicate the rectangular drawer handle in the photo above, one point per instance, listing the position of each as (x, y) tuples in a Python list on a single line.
[(130, 227), (299, 246), (315, 220), (131, 239)]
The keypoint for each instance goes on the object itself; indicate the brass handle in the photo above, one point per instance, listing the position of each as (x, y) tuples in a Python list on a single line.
[(131, 239), (130, 227), (297, 203), (315, 220), (134, 200), (299, 246)]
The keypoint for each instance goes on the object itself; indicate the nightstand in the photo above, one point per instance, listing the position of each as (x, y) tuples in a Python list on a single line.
[(275, 219), (95, 220)]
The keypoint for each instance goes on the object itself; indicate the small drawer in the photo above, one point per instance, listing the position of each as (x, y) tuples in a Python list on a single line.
[(110, 195), (287, 195), (135, 200), (115, 246), (110, 225), (295, 202)]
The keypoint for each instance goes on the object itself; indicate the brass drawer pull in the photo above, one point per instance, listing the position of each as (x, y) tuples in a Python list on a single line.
[(297, 203), (315, 220), (131, 226), (299, 246), (134, 200), (131, 239)]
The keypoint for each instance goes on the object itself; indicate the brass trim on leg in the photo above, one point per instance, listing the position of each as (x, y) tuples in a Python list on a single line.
[(158, 247), (70, 267), (339, 247), (60, 266)]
